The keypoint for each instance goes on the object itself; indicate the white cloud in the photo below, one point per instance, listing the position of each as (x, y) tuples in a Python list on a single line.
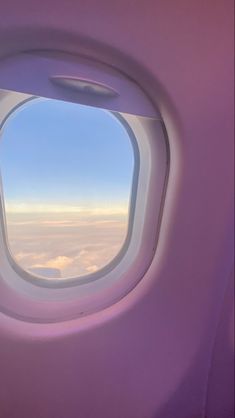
[(121, 209), (92, 269), (74, 244), (59, 262)]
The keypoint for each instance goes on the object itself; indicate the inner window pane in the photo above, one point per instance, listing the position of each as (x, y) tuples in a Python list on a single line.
[(67, 173)]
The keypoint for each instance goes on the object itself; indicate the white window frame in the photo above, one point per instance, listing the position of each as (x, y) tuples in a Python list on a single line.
[(49, 300)]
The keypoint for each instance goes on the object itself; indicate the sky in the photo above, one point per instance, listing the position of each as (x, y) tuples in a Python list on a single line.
[(67, 174)]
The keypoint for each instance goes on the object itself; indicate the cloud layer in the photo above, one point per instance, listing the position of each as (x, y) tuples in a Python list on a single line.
[(75, 243)]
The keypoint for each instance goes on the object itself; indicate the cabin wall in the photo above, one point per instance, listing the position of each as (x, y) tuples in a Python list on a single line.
[(149, 355), (220, 401)]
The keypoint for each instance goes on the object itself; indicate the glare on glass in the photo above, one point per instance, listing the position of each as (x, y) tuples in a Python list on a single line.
[(66, 173)]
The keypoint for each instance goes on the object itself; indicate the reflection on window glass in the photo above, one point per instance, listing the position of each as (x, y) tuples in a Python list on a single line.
[(67, 174)]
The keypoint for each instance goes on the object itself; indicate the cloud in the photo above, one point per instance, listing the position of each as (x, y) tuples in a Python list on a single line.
[(74, 244), (92, 209), (91, 269), (59, 262), (33, 256)]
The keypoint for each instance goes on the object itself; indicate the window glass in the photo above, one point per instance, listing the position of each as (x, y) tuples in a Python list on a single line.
[(67, 173)]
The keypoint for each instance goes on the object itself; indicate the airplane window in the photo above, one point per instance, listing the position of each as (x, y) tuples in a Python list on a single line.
[(67, 178), (83, 177)]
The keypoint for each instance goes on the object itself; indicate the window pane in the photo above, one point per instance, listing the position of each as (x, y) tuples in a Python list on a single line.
[(67, 174)]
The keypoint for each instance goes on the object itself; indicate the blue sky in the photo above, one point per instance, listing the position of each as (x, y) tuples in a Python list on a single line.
[(58, 153)]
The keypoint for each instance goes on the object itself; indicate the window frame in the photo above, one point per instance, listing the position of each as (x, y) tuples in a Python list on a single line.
[(25, 300)]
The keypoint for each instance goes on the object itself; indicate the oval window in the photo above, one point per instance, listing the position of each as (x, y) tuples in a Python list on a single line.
[(67, 177)]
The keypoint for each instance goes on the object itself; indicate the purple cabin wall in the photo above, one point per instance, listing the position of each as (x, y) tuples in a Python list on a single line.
[(149, 355), (220, 400)]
